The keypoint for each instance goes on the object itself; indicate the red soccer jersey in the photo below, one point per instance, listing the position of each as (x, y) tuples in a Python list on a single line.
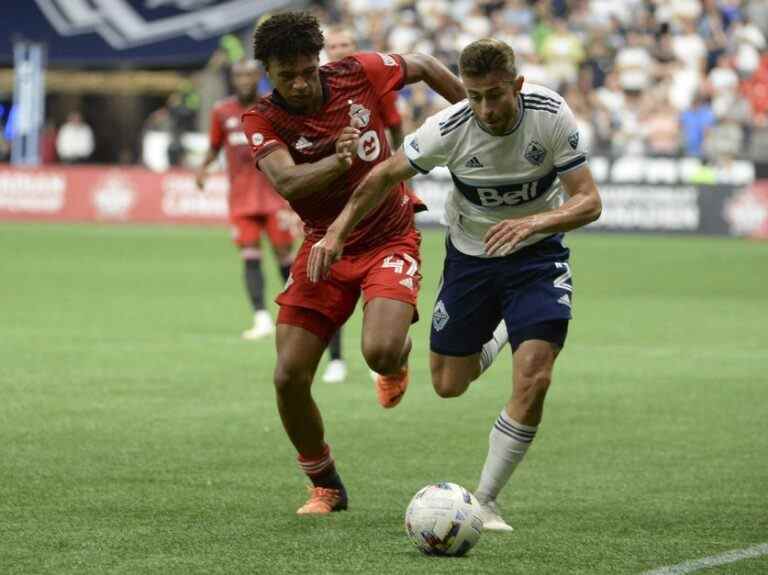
[(352, 90), (389, 112), (250, 193)]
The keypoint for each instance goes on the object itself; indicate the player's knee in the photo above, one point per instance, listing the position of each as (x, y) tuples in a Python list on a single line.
[(383, 356), (290, 379)]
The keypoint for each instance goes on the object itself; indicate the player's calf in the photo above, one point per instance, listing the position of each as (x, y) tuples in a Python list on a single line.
[(533, 364)]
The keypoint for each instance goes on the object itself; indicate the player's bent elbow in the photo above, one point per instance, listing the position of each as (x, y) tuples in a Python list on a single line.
[(287, 188), (597, 209)]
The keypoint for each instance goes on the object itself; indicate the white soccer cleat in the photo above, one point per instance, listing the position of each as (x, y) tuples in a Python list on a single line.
[(335, 371), (491, 516), (262, 326)]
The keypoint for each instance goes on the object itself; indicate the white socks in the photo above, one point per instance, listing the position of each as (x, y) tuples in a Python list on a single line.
[(492, 347), (508, 443)]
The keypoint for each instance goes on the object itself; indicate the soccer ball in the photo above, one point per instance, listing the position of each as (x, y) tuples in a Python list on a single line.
[(443, 519)]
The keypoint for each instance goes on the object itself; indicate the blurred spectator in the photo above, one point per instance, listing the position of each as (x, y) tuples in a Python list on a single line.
[(661, 128), (74, 142), (48, 136), (562, 52), (634, 63), (5, 146), (756, 91), (182, 109), (696, 121), (230, 50)]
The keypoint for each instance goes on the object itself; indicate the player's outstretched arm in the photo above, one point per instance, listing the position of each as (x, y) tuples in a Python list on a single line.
[(202, 172), (293, 181), (582, 207), (424, 68), (366, 197)]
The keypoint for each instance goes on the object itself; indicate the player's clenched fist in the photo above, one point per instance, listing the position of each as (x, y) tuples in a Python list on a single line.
[(322, 256), (346, 145)]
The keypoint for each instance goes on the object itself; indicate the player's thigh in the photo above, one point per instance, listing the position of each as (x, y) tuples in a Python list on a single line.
[(299, 350), (537, 305), (468, 308), (327, 304), (246, 231), (280, 230), (390, 285), (385, 327)]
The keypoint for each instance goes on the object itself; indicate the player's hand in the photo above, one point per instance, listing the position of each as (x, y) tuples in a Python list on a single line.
[(200, 178), (322, 256), (346, 146), (502, 238)]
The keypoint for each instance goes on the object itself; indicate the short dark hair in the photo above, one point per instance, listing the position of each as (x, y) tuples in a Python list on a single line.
[(286, 36), (486, 56)]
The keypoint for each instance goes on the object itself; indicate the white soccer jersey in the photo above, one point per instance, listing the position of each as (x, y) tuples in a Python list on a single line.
[(499, 177)]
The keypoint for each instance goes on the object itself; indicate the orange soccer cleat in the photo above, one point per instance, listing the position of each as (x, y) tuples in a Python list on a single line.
[(323, 500), (391, 388)]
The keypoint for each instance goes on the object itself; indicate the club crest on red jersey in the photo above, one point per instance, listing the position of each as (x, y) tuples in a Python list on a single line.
[(359, 115)]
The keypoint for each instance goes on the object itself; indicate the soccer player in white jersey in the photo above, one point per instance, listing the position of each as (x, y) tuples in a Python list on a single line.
[(521, 180)]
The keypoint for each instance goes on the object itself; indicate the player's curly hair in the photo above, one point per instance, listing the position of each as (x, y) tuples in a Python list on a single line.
[(287, 35), (486, 56)]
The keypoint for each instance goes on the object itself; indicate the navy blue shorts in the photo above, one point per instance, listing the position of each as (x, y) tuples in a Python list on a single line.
[(530, 289)]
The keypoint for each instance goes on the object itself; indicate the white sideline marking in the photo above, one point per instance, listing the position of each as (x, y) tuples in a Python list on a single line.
[(712, 561)]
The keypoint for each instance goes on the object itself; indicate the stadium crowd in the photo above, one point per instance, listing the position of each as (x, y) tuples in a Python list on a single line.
[(644, 77)]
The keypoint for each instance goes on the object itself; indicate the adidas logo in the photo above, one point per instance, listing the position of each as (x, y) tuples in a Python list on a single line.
[(565, 300), (302, 144), (473, 162), (407, 282)]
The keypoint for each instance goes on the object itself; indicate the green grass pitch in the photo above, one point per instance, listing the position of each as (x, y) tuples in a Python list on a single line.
[(138, 434)]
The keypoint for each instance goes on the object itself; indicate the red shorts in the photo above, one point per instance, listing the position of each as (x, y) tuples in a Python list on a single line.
[(390, 271), (279, 226)]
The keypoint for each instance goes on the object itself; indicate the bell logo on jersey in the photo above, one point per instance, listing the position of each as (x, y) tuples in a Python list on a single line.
[(491, 198), (535, 153), (359, 115), (369, 146)]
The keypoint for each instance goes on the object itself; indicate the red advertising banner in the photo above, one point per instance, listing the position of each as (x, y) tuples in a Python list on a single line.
[(747, 211), (110, 194)]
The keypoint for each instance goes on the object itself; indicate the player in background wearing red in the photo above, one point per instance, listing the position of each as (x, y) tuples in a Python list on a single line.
[(340, 43), (316, 137), (254, 206)]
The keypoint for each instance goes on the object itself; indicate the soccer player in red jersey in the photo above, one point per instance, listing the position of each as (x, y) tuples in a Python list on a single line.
[(316, 137), (254, 206)]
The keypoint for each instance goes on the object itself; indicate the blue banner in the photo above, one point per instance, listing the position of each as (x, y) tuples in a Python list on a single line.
[(98, 32)]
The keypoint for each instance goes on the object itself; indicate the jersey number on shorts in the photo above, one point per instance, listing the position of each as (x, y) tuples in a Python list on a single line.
[(563, 281), (398, 264)]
